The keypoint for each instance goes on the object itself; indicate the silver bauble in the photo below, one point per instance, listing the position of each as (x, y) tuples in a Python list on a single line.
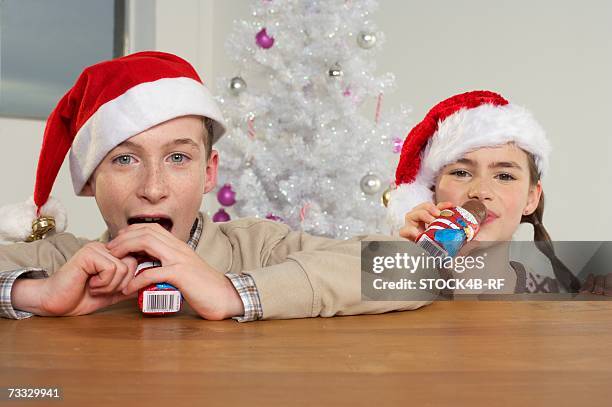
[(370, 184), (335, 71), (237, 85), (366, 40)]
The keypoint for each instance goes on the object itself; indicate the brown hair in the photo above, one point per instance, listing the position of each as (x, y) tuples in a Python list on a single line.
[(542, 238), (207, 136)]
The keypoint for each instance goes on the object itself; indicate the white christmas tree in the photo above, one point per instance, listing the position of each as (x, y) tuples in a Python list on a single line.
[(308, 142)]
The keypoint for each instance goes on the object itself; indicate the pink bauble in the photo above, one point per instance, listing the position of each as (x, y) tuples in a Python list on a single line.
[(221, 216), (263, 39), (226, 196), (397, 145)]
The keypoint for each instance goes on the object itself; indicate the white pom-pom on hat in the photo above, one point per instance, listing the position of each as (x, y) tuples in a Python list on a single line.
[(16, 219)]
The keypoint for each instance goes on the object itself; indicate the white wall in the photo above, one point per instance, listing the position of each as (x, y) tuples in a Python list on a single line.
[(552, 56)]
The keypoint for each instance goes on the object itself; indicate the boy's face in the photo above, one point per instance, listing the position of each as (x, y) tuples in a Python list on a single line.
[(162, 172)]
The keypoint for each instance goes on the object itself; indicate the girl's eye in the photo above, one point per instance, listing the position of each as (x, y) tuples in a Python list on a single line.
[(460, 173), (178, 158), (506, 177), (123, 160)]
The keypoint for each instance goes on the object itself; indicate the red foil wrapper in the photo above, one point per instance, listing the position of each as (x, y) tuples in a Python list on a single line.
[(159, 298)]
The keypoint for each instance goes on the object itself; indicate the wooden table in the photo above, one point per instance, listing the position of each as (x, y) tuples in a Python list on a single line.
[(449, 353)]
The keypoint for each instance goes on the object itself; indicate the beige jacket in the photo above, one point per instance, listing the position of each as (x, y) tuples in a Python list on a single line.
[(297, 275)]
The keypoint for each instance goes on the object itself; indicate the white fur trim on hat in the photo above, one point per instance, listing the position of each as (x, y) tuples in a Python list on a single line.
[(16, 219), (484, 126), (464, 131), (140, 108)]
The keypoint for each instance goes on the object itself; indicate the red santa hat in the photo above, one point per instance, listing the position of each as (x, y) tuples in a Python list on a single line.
[(109, 103), (452, 128)]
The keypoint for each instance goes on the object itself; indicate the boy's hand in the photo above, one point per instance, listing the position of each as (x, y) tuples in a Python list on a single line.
[(210, 293), (599, 285), (90, 280), (420, 216)]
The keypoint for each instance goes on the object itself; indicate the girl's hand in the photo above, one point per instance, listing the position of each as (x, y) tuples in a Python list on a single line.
[(419, 217), (600, 285)]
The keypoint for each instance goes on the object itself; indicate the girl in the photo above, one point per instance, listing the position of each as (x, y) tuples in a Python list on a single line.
[(477, 145)]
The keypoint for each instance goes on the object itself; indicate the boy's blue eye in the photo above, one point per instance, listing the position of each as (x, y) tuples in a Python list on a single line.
[(123, 160), (178, 158)]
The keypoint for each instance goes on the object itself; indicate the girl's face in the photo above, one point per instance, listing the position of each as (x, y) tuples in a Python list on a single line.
[(499, 178)]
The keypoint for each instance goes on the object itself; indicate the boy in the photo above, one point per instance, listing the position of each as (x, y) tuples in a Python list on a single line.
[(140, 130)]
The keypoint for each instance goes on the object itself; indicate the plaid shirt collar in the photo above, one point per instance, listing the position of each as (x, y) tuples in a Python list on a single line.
[(196, 232)]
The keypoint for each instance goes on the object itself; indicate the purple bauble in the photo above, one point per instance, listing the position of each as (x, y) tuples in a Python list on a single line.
[(226, 196), (263, 39), (221, 216), (273, 217)]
